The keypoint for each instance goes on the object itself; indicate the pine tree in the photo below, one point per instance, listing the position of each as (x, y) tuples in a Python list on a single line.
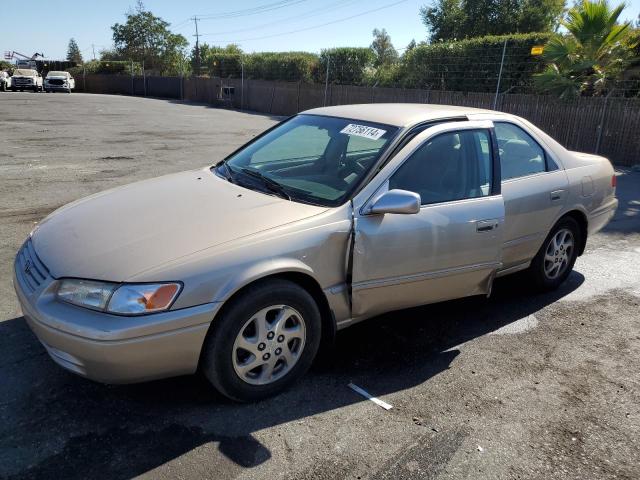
[(73, 52)]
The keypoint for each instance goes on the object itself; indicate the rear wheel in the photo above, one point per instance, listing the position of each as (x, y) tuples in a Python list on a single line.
[(555, 259), (264, 340)]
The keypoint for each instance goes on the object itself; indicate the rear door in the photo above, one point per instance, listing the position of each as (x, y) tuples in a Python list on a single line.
[(452, 247), (534, 190)]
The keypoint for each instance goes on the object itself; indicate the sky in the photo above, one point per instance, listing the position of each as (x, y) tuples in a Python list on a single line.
[(303, 25)]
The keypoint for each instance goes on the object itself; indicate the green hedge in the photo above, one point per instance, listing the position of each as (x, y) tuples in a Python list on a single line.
[(288, 66), (473, 64), (106, 66), (347, 66)]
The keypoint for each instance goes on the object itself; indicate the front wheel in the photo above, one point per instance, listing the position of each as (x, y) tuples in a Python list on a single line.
[(264, 340), (554, 261)]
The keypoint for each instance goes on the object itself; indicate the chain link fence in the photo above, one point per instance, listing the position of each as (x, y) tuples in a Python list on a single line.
[(489, 77)]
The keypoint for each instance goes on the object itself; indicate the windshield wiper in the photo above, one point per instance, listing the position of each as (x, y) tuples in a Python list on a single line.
[(229, 173), (270, 183)]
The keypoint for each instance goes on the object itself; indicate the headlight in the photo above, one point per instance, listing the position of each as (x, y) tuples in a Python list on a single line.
[(132, 299), (123, 299), (86, 293)]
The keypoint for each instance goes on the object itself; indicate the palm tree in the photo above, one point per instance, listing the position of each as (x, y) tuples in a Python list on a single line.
[(592, 54)]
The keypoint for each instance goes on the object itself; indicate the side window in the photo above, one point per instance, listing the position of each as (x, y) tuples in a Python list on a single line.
[(450, 166), (520, 155)]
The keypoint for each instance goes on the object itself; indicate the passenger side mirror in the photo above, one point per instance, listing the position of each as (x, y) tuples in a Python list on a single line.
[(396, 201)]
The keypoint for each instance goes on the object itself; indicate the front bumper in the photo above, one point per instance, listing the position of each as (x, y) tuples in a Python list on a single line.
[(112, 348), (23, 84), (56, 87)]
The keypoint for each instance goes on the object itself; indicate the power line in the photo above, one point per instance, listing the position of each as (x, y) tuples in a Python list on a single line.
[(309, 14), (251, 11), (316, 26), (180, 24)]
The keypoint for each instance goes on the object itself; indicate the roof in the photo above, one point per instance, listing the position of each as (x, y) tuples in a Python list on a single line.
[(396, 114)]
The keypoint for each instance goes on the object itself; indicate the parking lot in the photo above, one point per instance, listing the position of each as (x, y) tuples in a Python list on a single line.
[(519, 385)]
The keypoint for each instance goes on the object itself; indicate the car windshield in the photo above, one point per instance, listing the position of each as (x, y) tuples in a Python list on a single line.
[(57, 74), (25, 72), (310, 158)]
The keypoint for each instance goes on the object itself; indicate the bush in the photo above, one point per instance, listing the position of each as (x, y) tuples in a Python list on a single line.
[(473, 64), (106, 66), (288, 66), (222, 64), (347, 66)]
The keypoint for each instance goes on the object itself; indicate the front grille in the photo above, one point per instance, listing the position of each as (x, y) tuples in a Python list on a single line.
[(56, 81), (29, 268), (23, 81)]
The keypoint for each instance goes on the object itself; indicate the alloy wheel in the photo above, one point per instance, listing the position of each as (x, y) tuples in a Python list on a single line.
[(558, 253), (269, 344)]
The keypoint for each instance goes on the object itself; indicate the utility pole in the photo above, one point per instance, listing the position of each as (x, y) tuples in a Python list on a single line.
[(94, 51), (326, 82), (495, 99), (195, 21)]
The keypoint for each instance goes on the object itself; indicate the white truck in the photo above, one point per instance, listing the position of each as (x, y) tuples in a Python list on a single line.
[(59, 81), (5, 81), (26, 79)]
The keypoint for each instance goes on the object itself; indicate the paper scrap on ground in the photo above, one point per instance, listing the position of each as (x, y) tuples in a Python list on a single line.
[(366, 394)]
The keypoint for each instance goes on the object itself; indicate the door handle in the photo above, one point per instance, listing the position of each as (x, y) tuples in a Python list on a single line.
[(486, 225), (556, 195)]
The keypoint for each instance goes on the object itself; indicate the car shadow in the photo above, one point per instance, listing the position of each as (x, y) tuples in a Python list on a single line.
[(627, 217), (55, 424)]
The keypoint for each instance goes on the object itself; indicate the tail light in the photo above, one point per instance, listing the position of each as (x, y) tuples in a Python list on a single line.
[(614, 181)]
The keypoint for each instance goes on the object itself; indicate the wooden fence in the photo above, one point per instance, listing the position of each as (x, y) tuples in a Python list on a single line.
[(606, 126)]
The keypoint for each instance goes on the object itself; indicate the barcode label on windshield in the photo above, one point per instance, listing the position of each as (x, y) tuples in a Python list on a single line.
[(363, 131)]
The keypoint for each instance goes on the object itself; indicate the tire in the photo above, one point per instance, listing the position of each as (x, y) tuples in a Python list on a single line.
[(552, 264), (228, 366), (4, 87)]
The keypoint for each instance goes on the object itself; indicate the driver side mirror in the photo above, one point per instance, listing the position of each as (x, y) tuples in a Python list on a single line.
[(396, 201)]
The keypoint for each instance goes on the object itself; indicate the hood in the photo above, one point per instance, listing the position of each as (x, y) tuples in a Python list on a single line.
[(115, 234)]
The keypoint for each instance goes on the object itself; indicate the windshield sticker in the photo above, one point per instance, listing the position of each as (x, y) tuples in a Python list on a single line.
[(363, 131)]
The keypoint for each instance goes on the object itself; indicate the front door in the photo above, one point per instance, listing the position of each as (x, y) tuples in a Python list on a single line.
[(451, 248)]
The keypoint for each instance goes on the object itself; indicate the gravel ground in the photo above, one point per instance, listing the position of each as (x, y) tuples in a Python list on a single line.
[(515, 386)]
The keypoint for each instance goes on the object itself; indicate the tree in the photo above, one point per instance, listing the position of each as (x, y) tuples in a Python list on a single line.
[(147, 38), (383, 48), (73, 52), (460, 19), (593, 53)]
